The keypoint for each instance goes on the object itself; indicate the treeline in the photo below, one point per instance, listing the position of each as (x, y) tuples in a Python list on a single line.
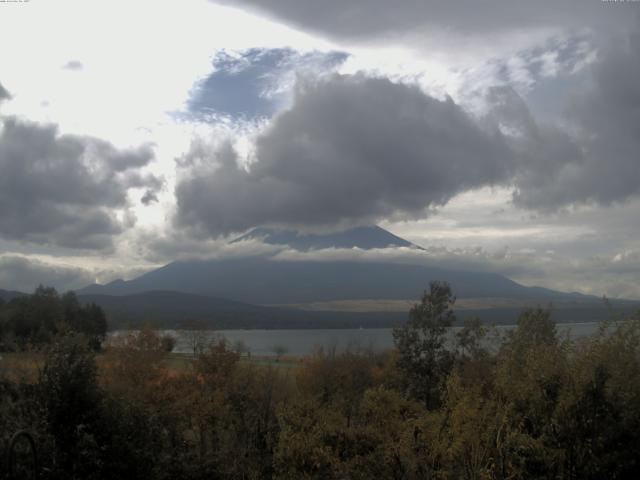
[(34, 320), (526, 405)]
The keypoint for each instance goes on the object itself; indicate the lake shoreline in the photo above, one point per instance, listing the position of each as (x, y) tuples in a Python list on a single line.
[(304, 342)]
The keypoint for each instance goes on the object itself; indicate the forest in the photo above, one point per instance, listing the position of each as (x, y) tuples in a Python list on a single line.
[(527, 404)]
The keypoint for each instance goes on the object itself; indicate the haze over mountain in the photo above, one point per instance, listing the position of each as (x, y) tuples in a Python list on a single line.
[(7, 295), (311, 291), (259, 291), (263, 280)]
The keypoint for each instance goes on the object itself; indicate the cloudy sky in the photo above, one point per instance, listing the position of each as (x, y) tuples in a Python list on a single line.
[(502, 138)]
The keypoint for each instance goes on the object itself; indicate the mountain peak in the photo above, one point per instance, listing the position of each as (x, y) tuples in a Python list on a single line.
[(366, 238)]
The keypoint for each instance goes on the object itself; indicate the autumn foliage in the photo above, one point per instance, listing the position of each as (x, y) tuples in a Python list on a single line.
[(475, 405)]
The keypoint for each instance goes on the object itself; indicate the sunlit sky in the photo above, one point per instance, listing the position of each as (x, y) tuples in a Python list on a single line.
[(501, 139)]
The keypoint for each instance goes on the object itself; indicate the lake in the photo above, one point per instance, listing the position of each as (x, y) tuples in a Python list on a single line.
[(304, 342)]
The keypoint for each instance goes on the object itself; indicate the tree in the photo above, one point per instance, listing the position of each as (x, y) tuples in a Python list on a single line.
[(94, 325), (37, 318), (34, 319), (134, 362), (597, 419), (217, 363), (279, 350), (240, 347), (196, 335), (168, 343), (469, 339), (535, 327), (422, 357), (72, 405), (88, 319)]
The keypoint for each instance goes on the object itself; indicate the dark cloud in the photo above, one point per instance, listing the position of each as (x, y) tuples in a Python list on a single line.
[(606, 123), (378, 21), (4, 94), (351, 149), (540, 152), (24, 274), (73, 65), (149, 197), (254, 82), (63, 189), (355, 149)]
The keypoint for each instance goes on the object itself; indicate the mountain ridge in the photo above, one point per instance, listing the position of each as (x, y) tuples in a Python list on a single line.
[(175, 310), (365, 238), (7, 295), (260, 280)]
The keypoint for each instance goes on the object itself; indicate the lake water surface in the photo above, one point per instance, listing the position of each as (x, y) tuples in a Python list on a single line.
[(305, 342)]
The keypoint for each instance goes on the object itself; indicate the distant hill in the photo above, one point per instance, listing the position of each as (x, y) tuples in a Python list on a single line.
[(175, 310), (259, 280), (164, 309), (298, 292), (7, 295), (365, 238)]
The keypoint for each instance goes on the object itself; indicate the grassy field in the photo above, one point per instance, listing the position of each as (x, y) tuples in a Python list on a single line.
[(462, 304), (182, 361), (20, 366), (25, 366)]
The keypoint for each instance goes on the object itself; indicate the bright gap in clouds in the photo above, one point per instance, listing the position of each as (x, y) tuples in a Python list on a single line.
[(138, 61), (134, 64)]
